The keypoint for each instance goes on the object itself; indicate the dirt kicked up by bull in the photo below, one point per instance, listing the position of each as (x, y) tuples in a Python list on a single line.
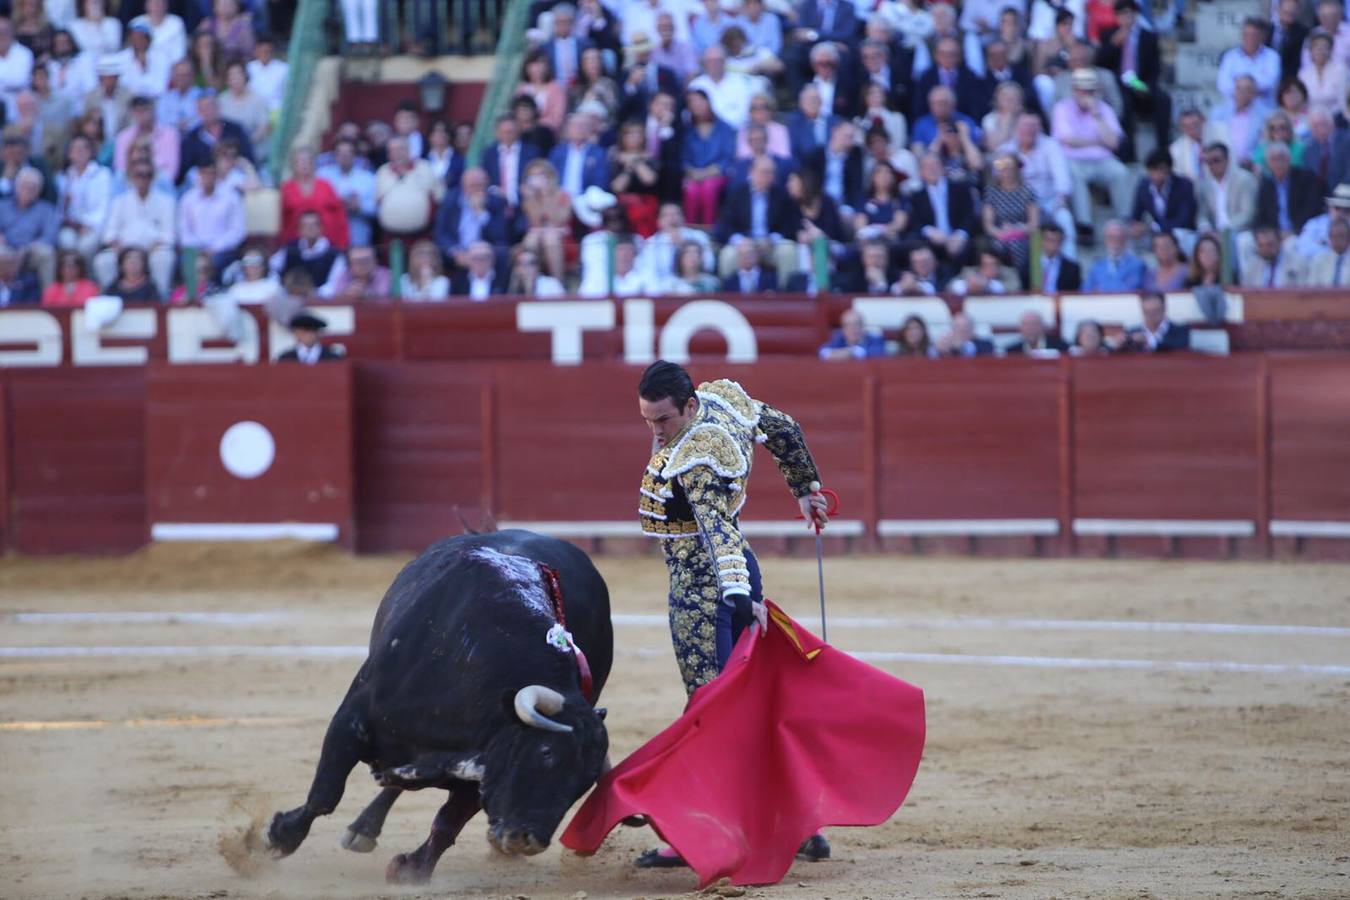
[(486, 657)]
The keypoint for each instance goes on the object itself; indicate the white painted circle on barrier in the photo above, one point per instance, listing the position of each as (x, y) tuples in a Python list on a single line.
[(247, 449)]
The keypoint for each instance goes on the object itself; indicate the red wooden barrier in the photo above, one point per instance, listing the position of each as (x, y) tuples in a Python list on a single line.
[(5, 440), (259, 447)]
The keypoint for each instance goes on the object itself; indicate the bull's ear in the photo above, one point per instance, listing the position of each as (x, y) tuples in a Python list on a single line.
[(601, 712)]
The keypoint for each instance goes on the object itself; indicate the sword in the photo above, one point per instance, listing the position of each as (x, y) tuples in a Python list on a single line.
[(832, 508)]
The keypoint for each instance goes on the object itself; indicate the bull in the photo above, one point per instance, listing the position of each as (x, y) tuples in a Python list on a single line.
[(474, 686)]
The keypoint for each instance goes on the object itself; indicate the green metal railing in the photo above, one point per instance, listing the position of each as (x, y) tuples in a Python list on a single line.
[(308, 44), (505, 74)]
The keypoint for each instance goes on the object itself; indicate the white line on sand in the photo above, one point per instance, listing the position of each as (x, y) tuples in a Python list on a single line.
[(356, 651), (168, 722), (630, 620)]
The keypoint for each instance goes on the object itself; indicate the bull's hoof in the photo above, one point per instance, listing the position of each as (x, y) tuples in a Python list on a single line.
[(405, 869), (281, 841), (815, 848), (357, 842), (638, 821)]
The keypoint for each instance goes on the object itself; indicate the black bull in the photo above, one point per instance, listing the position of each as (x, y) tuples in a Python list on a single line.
[(461, 691)]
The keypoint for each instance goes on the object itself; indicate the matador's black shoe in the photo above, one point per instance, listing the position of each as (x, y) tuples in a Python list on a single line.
[(815, 848), (665, 858)]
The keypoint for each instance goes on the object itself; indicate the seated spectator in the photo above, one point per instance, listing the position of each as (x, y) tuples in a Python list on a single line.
[(1287, 35), (1315, 236), (1326, 152), (470, 214), (95, 31), (205, 284), (528, 280), (837, 96), (423, 280), (549, 96), (208, 62), (1011, 213), (1228, 193), (308, 350), (1089, 340), (1130, 51), (406, 191), (943, 213), (1206, 280), (144, 73), (354, 186), (922, 278), (757, 142), (1288, 197), (310, 251), (266, 73), (728, 92), (164, 142), (1294, 105), (873, 274), (255, 286), (1053, 32), (1188, 150), (1162, 201), (840, 166), (673, 50), (777, 141), (177, 106), (594, 85), (480, 278), (526, 114), (665, 142), (241, 104), (109, 100), (1058, 273), (1169, 272), (1266, 263), (941, 117), (948, 71), (72, 73), (852, 340), (358, 276), (750, 277), (991, 277), (305, 192), (1250, 58), (693, 273), (763, 29), (1158, 334), (809, 125), (1278, 130), (635, 178), (642, 78), (706, 27), (547, 212), (818, 219), (1046, 171), (1033, 339), (146, 220), (18, 287), (211, 219), (875, 114), (446, 162), (30, 225), (1117, 269), (233, 30), (15, 156), (960, 340), (660, 252), (914, 339), (211, 129), (1242, 118), (630, 279), (1088, 131), (506, 159), (47, 117), (1331, 267), (882, 214), (1326, 79), (1331, 22), (132, 282), (878, 151), (709, 148), (72, 285), (579, 162), (1000, 124)]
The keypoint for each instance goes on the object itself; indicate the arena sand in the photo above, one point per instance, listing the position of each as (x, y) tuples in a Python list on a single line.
[(139, 777)]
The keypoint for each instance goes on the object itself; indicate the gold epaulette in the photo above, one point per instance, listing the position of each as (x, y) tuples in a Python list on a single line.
[(732, 397), (708, 445)]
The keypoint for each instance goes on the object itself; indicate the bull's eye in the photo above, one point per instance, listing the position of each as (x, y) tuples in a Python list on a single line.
[(546, 754)]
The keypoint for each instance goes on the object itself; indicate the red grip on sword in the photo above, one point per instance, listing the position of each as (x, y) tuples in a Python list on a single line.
[(831, 508)]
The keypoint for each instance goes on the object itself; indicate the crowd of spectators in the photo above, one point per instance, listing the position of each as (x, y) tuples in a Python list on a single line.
[(660, 147)]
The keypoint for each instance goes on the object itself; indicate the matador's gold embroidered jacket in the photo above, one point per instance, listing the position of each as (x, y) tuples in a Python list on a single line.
[(694, 487)]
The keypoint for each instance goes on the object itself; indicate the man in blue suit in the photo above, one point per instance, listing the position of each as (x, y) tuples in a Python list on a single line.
[(505, 160), (1167, 199), (579, 161), (1118, 269), (950, 71), (750, 277), (563, 49), (471, 214), (818, 21), (809, 126)]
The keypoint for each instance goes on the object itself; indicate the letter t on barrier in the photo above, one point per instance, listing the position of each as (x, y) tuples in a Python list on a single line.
[(566, 321)]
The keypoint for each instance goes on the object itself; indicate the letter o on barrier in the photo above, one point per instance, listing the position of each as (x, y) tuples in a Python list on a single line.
[(713, 315)]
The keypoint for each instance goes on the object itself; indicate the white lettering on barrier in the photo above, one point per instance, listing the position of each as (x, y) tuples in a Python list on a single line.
[(86, 347), (565, 321), (189, 329), (39, 330), (713, 315), (639, 332), (341, 320)]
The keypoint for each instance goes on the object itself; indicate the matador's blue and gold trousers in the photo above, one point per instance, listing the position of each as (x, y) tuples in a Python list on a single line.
[(703, 628)]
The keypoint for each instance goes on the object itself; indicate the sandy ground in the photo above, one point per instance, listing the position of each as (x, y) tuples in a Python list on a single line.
[(118, 777)]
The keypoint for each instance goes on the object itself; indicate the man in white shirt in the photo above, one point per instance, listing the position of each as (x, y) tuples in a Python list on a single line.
[(141, 217), (267, 74), (16, 67), (1316, 233), (1244, 117), (1267, 264), (1251, 57), (1331, 267), (1227, 192), (629, 280), (144, 72), (211, 219), (825, 69), (661, 251), (728, 92), (356, 187)]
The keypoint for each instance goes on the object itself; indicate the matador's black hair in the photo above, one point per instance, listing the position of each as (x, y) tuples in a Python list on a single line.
[(666, 379)]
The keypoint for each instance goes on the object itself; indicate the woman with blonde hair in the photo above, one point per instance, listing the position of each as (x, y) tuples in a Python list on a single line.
[(548, 215), (424, 279)]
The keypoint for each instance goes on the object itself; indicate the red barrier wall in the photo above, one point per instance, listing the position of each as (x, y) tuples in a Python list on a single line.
[(1181, 455)]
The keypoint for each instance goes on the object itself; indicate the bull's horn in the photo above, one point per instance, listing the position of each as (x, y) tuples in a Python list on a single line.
[(535, 703)]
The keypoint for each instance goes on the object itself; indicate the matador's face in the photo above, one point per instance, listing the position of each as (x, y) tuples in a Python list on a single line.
[(664, 418)]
